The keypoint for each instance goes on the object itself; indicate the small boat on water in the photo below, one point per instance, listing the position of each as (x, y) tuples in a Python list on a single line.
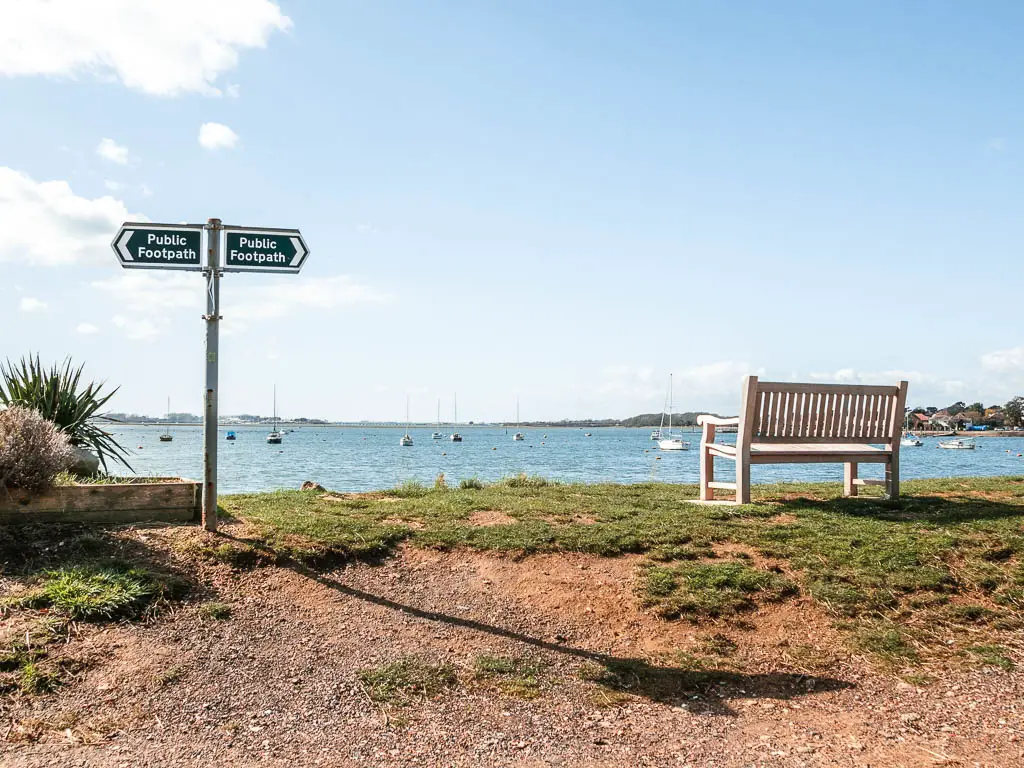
[(909, 438), (518, 435), (275, 437), (167, 437), (406, 439), (670, 442), (656, 434), (437, 434), (959, 444), (455, 437), (230, 436)]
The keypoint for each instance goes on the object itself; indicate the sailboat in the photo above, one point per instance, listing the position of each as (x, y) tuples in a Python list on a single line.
[(909, 438), (275, 437), (406, 439), (518, 435), (437, 433), (656, 434), (455, 437), (670, 442), (166, 437)]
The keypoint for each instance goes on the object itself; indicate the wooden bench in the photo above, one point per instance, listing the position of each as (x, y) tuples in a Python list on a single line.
[(784, 423)]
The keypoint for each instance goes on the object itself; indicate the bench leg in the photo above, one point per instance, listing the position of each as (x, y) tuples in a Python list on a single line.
[(849, 475), (742, 481), (707, 474), (892, 478)]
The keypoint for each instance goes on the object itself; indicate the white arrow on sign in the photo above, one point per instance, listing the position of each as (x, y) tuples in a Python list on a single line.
[(122, 245), (300, 251)]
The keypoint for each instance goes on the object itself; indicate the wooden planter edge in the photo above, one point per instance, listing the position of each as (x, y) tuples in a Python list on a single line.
[(177, 501)]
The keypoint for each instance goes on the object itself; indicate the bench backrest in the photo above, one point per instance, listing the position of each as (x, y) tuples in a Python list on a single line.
[(783, 412)]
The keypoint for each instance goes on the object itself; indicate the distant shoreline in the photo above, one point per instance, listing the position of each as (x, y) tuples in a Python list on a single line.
[(443, 427)]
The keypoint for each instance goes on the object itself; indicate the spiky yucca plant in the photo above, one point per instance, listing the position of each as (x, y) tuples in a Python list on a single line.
[(60, 396)]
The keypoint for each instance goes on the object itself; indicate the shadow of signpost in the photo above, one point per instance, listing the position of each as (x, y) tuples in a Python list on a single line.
[(639, 677)]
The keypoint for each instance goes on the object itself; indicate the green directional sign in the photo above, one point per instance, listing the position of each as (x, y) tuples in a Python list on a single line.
[(159, 246), (264, 250)]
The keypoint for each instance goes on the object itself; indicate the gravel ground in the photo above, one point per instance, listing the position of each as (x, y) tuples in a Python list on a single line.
[(277, 683)]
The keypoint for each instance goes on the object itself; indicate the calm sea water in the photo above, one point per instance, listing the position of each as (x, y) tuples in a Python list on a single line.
[(370, 458)]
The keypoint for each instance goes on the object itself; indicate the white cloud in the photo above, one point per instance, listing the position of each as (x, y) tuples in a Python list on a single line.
[(28, 304), (45, 223), (246, 302), (148, 292), (146, 300), (693, 386), (928, 388), (233, 91), (86, 329), (113, 186), (217, 136), (161, 47), (145, 191), (110, 150), (1004, 360), (997, 144), (140, 328)]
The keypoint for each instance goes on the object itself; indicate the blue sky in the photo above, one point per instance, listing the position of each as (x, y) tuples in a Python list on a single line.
[(564, 201)]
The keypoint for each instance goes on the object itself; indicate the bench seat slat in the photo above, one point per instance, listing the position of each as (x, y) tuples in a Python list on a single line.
[(813, 447)]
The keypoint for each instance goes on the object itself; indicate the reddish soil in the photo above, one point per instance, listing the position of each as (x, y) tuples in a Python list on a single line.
[(277, 685)]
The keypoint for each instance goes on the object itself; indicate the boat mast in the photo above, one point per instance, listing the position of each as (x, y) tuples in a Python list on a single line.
[(670, 403)]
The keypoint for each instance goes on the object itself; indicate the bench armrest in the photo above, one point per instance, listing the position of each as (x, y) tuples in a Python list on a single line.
[(718, 421)]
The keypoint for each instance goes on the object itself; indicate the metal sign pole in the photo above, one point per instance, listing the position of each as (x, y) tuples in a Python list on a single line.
[(148, 245), (212, 318)]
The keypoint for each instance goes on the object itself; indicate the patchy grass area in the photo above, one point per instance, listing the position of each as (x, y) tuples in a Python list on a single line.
[(702, 590), (519, 677), (215, 611), (902, 577), (60, 577), (401, 682), (96, 593)]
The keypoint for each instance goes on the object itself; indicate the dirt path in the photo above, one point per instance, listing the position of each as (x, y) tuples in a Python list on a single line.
[(277, 684)]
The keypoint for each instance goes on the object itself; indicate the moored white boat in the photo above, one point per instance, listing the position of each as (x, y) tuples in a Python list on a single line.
[(437, 434), (960, 444), (406, 439), (275, 437), (656, 434), (518, 436), (668, 441)]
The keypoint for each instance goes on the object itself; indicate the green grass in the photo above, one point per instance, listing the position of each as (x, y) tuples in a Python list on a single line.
[(885, 641), (215, 611), (403, 681), (33, 680), (992, 655), (707, 590), (96, 593), (515, 676), (863, 560)]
